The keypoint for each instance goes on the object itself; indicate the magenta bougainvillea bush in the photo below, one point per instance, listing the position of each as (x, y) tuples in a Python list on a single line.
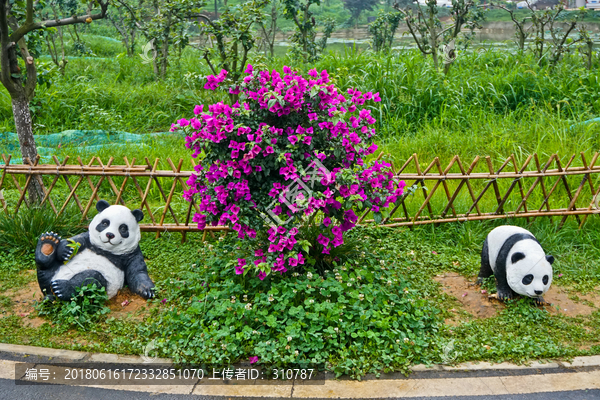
[(291, 152)]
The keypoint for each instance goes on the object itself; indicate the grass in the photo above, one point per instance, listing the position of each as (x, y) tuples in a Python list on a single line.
[(502, 103), (519, 332), (492, 103)]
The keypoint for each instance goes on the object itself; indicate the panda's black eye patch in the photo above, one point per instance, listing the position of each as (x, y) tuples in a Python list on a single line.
[(102, 225), (527, 279), (545, 279), (517, 257), (124, 230)]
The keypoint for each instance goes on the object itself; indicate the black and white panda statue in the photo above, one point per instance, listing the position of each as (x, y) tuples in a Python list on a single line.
[(108, 254), (517, 261)]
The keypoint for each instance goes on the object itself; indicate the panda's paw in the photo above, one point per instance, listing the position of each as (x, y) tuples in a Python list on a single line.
[(48, 243), (541, 302), (49, 297), (66, 253), (503, 296), (61, 289), (147, 293)]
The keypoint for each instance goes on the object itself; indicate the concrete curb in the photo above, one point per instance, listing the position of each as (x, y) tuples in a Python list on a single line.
[(460, 381), (71, 355)]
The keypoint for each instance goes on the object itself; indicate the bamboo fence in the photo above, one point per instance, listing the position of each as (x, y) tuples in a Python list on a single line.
[(436, 194)]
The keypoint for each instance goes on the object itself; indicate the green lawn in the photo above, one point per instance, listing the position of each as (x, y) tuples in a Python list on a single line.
[(492, 103)]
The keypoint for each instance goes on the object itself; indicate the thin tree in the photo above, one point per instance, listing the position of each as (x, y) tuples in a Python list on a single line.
[(383, 29), (234, 37), (428, 33), (121, 20), (306, 46), (356, 7), (551, 21), (268, 28), (15, 23), (587, 48), (521, 31), (162, 22)]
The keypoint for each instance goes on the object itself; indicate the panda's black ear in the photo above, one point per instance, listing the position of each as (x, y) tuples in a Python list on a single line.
[(550, 259), (138, 214), (102, 205), (516, 257)]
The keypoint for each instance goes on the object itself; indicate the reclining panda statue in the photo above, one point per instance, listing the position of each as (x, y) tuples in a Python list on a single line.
[(517, 261), (108, 254)]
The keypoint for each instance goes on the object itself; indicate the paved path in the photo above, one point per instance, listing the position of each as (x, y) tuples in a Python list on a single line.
[(579, 380), (9, 391)]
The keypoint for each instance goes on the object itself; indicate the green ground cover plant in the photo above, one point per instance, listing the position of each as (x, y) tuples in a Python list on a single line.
[(400, 304), (86, 308), (492, 103)]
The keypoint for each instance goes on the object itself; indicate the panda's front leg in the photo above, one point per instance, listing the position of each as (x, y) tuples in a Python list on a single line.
[(142, 285), (504, 292), (50, 250), (540, 301), (136, 277)]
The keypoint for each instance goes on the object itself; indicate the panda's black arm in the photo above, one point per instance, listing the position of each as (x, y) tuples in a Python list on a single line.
[(62, 251), (136, 276)]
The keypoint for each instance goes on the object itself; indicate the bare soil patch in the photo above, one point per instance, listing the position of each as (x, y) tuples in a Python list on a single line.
[(124, 305), (562, 304), (127, 304), (470, 296), (23, 303), (476, 302)]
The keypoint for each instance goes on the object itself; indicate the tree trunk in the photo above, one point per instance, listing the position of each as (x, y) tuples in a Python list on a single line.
[(23, 124), (20, 106)]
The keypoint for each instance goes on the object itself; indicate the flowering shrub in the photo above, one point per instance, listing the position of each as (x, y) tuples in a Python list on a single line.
[(291, 152)]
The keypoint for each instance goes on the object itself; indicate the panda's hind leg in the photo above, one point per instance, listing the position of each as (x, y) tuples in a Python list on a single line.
[(65, 289), (486, 269)]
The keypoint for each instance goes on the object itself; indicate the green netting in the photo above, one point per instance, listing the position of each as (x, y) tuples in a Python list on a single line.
[(92, 140), (588, 122)]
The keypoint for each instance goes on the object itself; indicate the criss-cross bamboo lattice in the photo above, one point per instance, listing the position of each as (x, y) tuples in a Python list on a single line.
[(437, 194)]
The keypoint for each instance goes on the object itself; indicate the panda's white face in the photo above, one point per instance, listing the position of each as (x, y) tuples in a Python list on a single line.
[(529, 270), (115, 229)]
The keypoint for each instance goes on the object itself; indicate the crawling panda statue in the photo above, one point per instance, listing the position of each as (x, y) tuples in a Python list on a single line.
[(108, 254), (517, 261)]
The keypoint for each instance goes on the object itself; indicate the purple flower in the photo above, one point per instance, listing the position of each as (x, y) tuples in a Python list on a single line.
[(335, 123), (324, 240), (163, 301), (253, 359), (262, 275)]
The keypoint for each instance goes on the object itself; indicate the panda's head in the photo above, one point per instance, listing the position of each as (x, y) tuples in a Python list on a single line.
[(529, 269), (115, 228)]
